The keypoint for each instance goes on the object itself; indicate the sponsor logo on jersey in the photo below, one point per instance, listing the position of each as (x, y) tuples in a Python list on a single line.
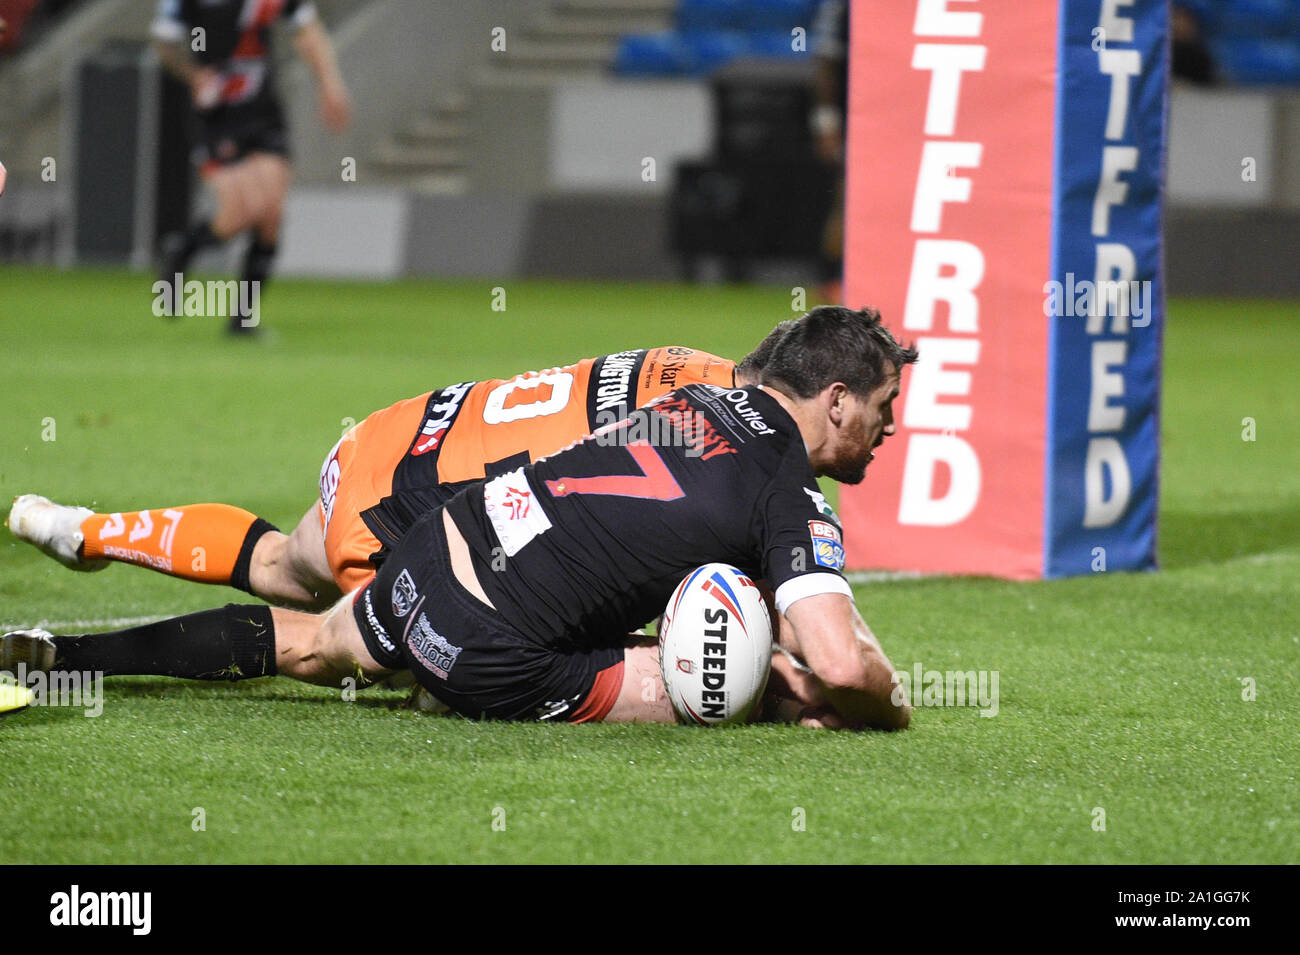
[(672, 365), (511, 506), (440, 416), (828, 548), (381, 634), (404, 594), (701, 438), (517, 502), (738, 398), (431, 648), (614, 381), (329, 482)]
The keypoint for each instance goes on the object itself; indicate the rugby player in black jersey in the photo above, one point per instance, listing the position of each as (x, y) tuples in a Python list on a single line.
[(516, 599), (221, 50)]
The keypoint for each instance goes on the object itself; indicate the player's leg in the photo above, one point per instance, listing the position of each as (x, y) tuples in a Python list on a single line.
[(325, 650), (267, 184), (292, 569), (232, 643), (209, 543), (641, 696), (235, 190)]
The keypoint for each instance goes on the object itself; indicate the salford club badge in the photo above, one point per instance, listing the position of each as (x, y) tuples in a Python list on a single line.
[(403, 594)]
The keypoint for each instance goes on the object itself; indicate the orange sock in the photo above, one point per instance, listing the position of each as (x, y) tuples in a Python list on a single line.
[(212, 543)]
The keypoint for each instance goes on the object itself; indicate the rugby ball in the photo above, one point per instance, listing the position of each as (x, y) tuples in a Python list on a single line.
[(715, 646)]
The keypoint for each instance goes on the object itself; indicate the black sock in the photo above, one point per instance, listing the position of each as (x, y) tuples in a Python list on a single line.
[(236, 642), (258, 259), (198, 237), (244, 562)]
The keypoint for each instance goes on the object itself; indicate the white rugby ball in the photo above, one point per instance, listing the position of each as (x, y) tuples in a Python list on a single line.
[(715, 646)]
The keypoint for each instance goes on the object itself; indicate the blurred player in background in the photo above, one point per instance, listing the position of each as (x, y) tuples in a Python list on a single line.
[(221, 50)]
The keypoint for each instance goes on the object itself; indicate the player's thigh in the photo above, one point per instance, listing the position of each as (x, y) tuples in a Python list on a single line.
[(234, 206), (641, 699), (342, 644), (268, 176), (324, 649), (304, 556)]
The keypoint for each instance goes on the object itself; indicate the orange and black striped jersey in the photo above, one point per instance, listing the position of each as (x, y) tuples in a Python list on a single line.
[(412, 455), (480, 429)]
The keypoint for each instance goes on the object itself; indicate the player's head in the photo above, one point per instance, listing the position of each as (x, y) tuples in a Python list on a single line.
[(750, 369), (842, 368)]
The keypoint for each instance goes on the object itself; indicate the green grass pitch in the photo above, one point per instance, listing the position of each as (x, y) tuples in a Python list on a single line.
[(1121, 692)]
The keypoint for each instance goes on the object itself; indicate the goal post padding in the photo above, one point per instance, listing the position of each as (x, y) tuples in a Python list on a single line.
[(1004, 187)]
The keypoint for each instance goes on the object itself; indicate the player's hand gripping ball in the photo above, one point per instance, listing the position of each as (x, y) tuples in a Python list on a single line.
[(3, 176), (715, 646)]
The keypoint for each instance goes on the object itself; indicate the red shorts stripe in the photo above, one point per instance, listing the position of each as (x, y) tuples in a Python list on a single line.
[(603, 695)]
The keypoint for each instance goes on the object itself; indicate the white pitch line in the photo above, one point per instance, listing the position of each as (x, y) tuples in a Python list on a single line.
[(106, 622), (883, 576)]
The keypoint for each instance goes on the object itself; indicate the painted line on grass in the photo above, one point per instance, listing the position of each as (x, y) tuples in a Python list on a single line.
[(113, 622), (883, 576)]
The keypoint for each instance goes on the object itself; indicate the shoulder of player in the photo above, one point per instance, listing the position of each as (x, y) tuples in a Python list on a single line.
[(749, 406)]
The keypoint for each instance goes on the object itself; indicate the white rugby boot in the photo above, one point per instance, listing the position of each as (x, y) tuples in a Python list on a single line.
[(34, 648), (54, 528)]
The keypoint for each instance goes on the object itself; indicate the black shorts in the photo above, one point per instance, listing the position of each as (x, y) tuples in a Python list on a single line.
[(415, 615), (228, 134)]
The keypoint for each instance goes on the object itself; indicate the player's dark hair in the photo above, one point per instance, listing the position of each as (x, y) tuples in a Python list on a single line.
[(833, 343), (752, 365)]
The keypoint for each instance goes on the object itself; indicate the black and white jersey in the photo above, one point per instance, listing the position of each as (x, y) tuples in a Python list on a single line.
[(233, 37), (581, 547)]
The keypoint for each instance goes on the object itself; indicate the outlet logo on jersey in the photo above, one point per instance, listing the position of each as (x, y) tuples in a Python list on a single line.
[(439, 416), (828, 548)]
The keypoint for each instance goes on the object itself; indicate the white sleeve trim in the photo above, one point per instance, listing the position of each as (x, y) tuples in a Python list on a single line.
[(305, 14), (810, 585)]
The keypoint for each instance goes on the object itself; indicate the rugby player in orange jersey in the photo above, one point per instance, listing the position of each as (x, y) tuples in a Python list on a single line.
[(410, 453)]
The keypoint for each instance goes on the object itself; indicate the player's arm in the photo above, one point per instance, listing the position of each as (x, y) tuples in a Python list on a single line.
[(317, 51), (846, 658), (170, 35)]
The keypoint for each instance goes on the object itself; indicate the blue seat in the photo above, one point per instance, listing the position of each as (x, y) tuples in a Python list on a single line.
[(776, 44), (652, 54), (1255, 18), (702, 15), (777, 15), (711, 49), (1259, 61)]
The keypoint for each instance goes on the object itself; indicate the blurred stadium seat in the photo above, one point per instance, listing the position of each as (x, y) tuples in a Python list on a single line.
[(1255, 60), (1254, 42), (711, 33)]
